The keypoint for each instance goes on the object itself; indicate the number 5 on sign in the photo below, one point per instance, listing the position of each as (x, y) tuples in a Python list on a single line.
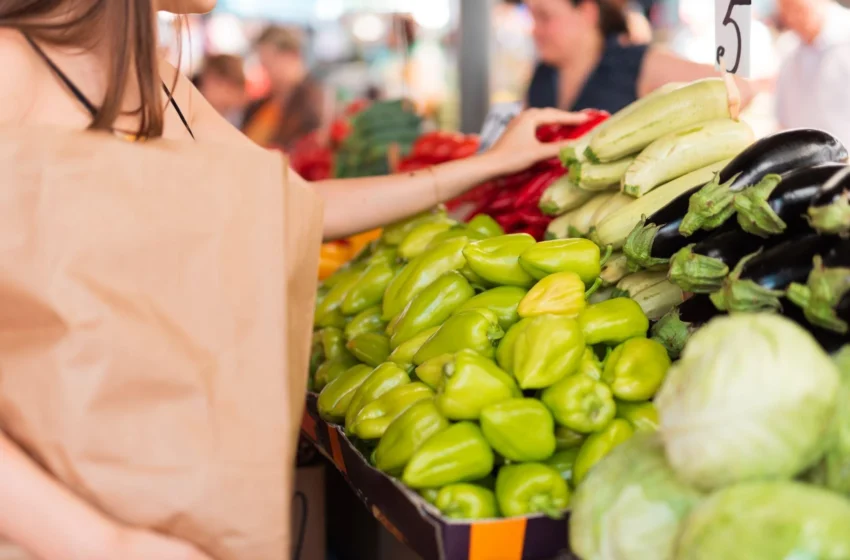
[(732, 31)]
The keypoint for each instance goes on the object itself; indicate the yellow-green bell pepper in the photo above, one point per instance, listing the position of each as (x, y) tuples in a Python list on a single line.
[(546, 350), (476, 330), (613, 321), (503, 301), (580, 403), (580, 256), (636, 369), (600, 444), (562, 293), (374, 418), (519, 430), (383, 379), (335, 398), (457, 454), (466, 501), (530, 488), (403, 354), (406, 434), (471, 383), (496, 259), (642, 416)]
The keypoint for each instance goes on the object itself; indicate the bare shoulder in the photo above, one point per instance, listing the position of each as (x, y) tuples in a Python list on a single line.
[(17, 59), (206, 123)]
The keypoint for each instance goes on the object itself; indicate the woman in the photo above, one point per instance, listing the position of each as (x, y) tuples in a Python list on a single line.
[(293, 107), (589, 60), (92, 64)]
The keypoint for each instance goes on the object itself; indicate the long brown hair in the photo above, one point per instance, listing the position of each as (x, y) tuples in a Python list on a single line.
[(124, 29), (612, 16)]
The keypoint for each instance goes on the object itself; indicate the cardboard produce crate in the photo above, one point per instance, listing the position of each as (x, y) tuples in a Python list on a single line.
[(419, 525)]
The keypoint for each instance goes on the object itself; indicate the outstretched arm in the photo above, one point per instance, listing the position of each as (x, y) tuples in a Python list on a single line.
[(355, 205)]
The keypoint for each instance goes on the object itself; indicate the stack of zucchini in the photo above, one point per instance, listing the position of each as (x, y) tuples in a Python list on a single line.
[(375, 130), (704, 221)]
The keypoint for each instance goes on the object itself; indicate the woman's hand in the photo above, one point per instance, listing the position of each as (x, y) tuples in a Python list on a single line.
[(519, 148), (135, 544)]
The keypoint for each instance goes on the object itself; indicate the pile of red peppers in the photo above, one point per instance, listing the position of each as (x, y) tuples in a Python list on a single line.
[(513, 200)]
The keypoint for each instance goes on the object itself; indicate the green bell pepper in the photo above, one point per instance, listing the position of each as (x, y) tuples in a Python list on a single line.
[(394, 234), (406, 434), (561, 293), (566, 438), (333, 343), (485, 225), (335, 398), (430, 308), (466, 501), (431, 372), (519, 430), (503, 301), (613, 321), (403, 355), (368, 290), (642, 416), (505, 350), (383, 379), (332, 369), (417, 241), (332, 320), (392, 291), (580, 256), (424, 271), (430, 495), (580, 403), (476, 330), (471, 383), (367, 321), (636, 369), (564, 462), (332, 302), (371, 348), (374, 418), (496, 259), (531, 488), (457, 454), (317, 356), (456, 233), (546, 350), (590, 365), (598, 445)]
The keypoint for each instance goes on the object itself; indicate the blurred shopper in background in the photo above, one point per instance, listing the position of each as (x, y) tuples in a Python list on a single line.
[(590, 61), (293, 107), (222, 82), (813, 78)]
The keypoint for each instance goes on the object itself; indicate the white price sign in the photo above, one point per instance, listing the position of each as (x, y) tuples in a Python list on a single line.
[(497, 121), (732, 32)]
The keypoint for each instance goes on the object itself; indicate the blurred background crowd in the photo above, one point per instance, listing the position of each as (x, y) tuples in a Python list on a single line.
[(283, 71)]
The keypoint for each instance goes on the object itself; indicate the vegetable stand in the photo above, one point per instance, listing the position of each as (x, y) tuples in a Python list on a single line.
[(472, 381)]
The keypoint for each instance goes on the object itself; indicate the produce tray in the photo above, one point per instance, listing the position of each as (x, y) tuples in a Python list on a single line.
[(418, 524)]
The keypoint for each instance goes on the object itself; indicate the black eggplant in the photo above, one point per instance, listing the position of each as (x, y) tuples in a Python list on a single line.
[(830, 210), (698, 310), (829, 340), (701, 268), (825, 298), (775, 154), (650, 245), (759, 281), (778, 203)]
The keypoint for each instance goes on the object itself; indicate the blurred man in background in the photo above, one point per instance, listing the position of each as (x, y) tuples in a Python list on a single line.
[(222, 82), (293, 107), (813, 78)]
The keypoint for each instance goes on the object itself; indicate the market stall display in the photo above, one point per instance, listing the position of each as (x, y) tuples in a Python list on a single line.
[(658, 367)]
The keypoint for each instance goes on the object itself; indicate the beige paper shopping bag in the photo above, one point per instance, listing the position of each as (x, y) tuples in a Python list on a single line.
[(155, 309)]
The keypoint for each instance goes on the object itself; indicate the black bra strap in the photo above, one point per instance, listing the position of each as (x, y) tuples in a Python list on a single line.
[(61, 75), (179, 112), (90, 107)]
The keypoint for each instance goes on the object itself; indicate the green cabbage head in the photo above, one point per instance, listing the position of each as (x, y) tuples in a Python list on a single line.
[(768, 521), (752, 398), (630, 506)]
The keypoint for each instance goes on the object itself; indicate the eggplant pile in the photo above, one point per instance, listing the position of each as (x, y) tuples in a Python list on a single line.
[(764, 235)]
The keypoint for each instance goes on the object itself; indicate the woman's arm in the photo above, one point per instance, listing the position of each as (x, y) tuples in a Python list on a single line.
[(49, 522), (661, 67), (355, 205)]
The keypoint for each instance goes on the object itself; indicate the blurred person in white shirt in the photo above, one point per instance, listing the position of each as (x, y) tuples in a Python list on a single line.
[(813, 77)]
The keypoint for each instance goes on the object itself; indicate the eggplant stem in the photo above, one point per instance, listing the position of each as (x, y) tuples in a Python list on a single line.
[(755, 215), (696, 273), (710, 207), (638, 247), (833, 218)]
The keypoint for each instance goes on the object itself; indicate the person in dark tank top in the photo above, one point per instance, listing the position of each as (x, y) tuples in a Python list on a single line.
[(588, 58)]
